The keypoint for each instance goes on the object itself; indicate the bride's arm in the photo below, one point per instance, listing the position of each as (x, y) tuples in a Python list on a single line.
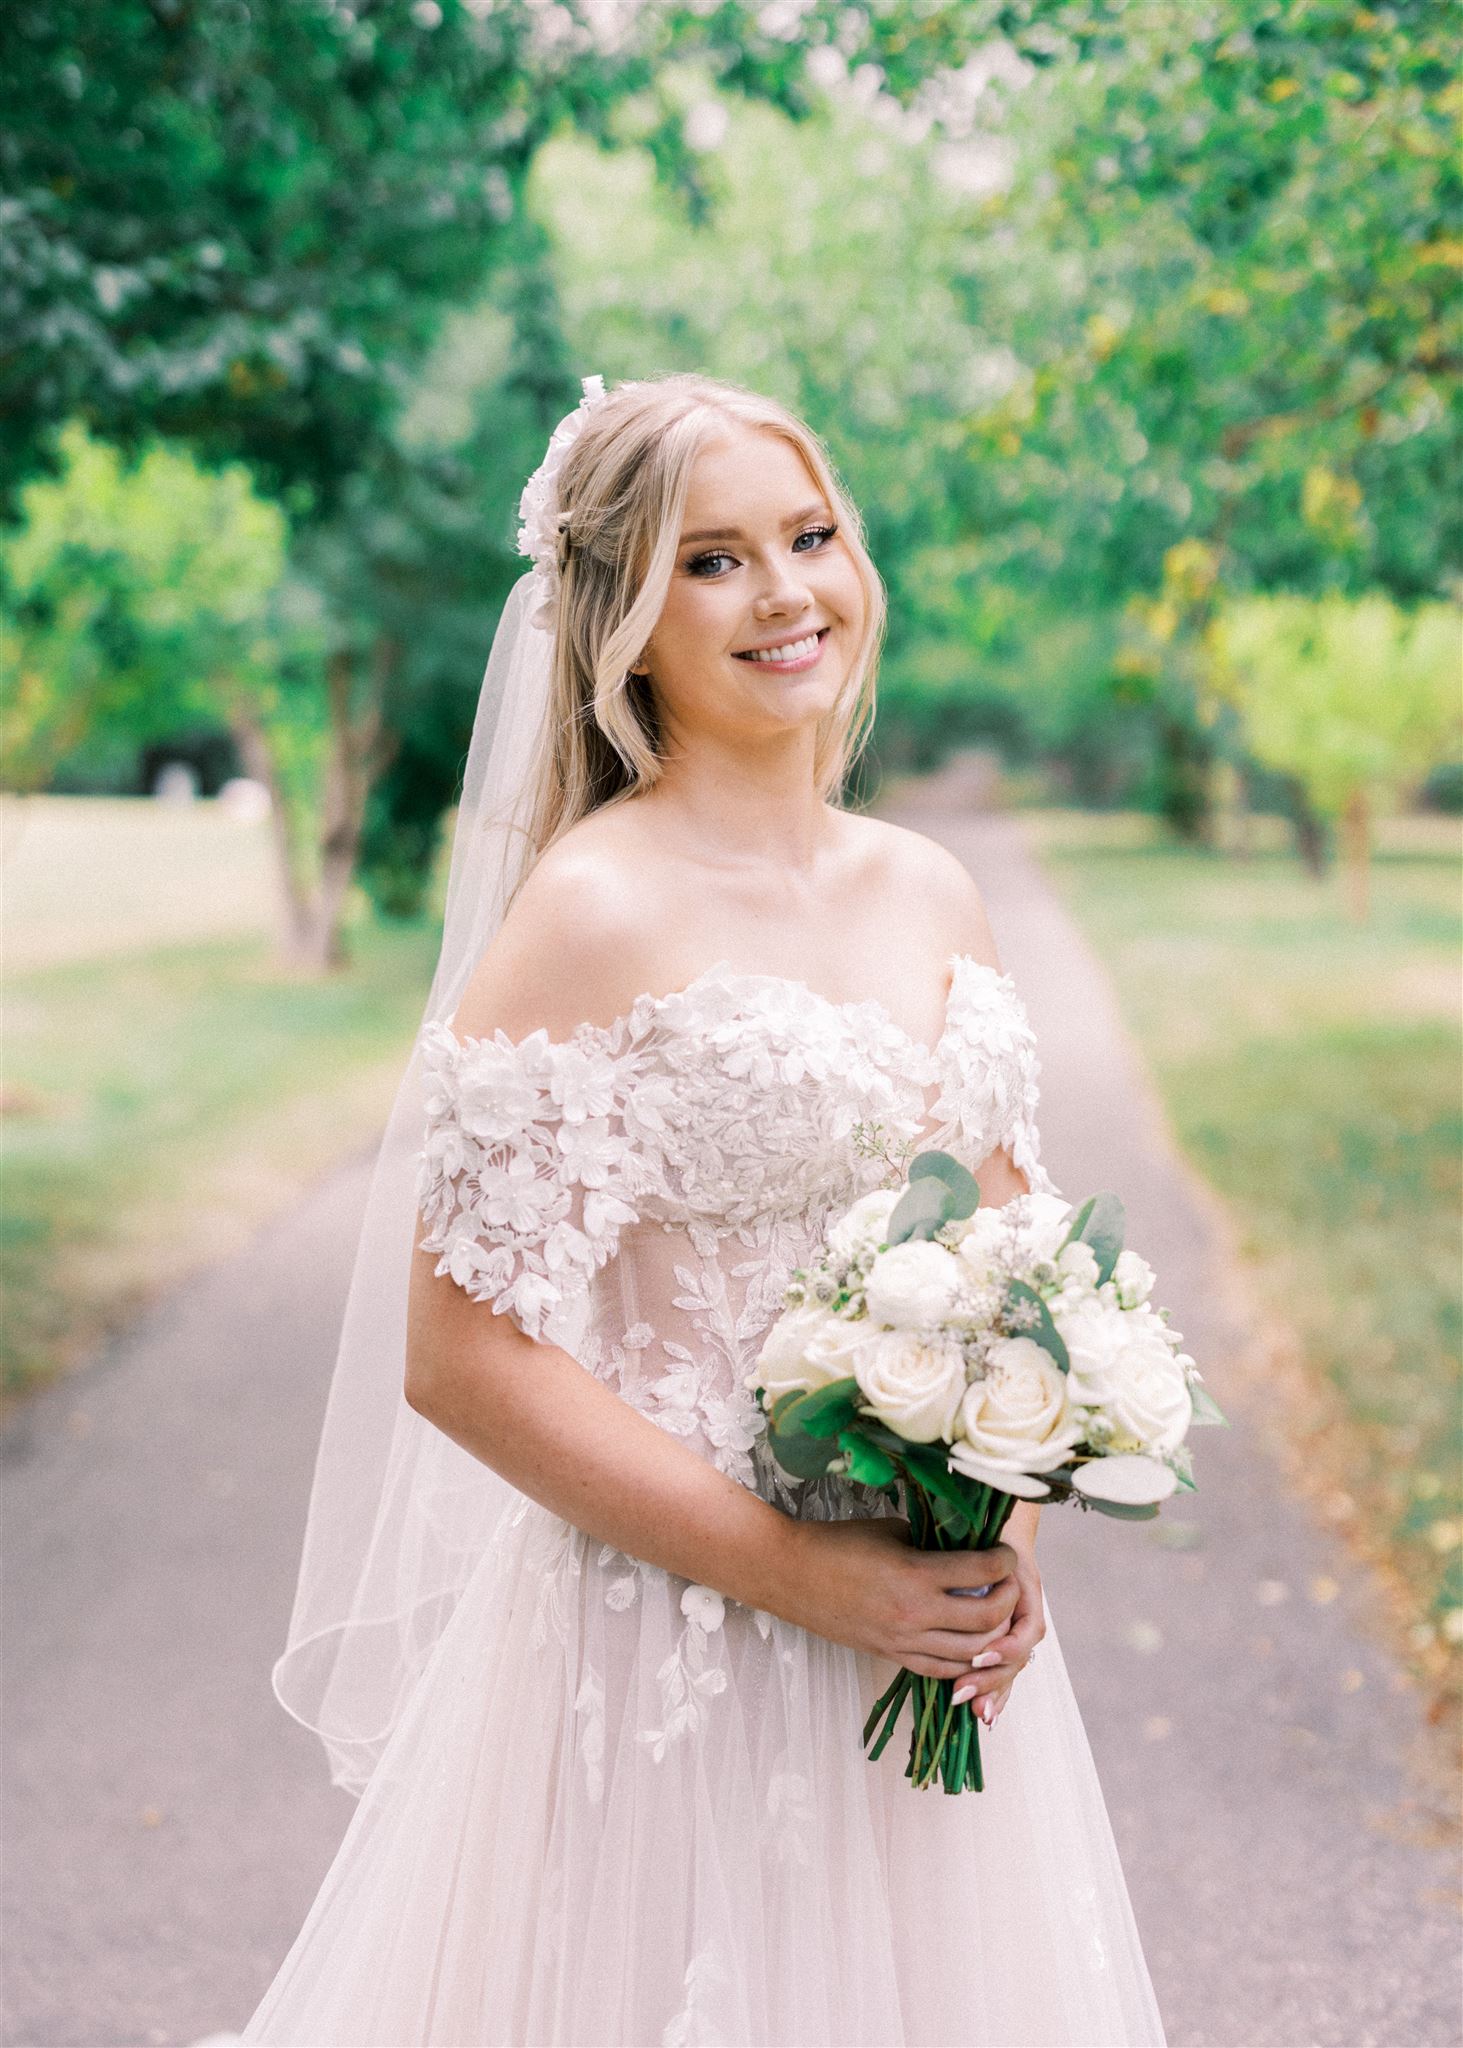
[(531, 1411)]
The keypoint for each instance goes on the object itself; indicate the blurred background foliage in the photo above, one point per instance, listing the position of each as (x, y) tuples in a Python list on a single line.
[(1113, 319), (1135, 331)]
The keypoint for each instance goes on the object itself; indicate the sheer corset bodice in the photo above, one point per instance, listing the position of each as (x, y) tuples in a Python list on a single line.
[(640, 1192)]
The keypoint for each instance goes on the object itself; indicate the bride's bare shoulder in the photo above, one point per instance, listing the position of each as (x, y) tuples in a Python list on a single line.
[(578, 943), (912, 868)]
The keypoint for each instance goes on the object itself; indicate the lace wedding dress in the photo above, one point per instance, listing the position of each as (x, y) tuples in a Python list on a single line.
[(618, 1810)]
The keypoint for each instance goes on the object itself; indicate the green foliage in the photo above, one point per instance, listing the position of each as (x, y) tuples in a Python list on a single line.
[(940, 1191), (137, 598), (1343, 694)]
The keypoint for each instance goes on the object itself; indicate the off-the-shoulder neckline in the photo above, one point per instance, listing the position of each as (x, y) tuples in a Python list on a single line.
[(722, 972)]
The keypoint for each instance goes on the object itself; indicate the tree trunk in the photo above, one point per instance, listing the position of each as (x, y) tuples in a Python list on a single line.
[(1309, 828), (357, 750), (294, 891), (358, 745), (1356, 838)]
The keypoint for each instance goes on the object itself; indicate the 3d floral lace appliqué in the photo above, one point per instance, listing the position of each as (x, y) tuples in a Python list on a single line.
[(726, 1120)]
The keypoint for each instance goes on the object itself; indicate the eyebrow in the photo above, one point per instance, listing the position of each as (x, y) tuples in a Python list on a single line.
[(735, 532)]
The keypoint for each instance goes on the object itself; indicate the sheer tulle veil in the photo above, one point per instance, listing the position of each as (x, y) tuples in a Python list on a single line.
[(400, 1515)]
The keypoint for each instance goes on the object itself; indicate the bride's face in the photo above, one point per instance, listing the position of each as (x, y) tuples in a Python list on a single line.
[(760, 564)]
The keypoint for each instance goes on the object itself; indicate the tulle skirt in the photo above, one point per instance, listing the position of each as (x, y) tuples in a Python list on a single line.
[(616, 1814)]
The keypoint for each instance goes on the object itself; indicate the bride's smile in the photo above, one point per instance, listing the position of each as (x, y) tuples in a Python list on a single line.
[(765, 609)]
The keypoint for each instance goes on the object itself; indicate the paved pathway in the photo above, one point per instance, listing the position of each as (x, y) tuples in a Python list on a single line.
[(166, 1825)]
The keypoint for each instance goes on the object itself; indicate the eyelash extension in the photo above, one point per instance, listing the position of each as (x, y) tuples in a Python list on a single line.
[(715, 554)]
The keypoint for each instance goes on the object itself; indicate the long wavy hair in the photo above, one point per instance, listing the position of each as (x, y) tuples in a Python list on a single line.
[(622, 492)]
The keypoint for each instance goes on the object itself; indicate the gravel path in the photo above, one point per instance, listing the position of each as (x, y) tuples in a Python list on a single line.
[(166, 1825)]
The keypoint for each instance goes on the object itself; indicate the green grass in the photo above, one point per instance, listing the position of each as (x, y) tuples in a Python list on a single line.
[(1311, 1069), (160, 1104)]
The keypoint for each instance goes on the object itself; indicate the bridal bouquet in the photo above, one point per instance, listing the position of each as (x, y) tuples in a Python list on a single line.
[(972, 1357)]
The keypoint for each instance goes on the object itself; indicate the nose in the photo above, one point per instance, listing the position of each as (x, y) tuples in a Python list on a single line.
[(785, 596)]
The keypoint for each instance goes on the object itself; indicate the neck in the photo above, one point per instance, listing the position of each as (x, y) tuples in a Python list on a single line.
[(747, 806)]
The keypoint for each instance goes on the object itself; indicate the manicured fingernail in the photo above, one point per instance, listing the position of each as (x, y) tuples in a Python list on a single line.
[(988, 1712), (964, 1690), (985, 1659)]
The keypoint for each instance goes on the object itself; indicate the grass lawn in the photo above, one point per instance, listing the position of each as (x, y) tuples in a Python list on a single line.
[(160, 1103), (1311, 1068), (87, 876)]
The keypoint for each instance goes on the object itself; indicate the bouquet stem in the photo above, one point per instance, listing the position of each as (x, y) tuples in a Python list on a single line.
[(944, 1742)]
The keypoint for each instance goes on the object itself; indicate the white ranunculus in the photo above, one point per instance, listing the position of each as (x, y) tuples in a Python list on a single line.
[(798, 1353), (1019, 1418), (912, 1284), (704, 1605), (1133, 1277), (863, 1226), (913, 1384)]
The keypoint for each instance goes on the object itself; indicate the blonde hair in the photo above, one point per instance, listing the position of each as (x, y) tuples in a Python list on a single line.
[(622, 496)]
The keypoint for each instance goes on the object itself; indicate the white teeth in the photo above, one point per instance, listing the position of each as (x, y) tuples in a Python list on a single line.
[(793, 652)]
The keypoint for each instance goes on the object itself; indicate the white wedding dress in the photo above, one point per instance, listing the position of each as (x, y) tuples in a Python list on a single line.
[(613, 1817)]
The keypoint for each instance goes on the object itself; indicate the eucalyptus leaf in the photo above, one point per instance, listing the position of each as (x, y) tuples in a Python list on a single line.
[(924, 1206), (1043, 1331), (1206, 1408), (1102, 1223), (1123, 1511), (1076, 1225), (825, 1410), (957, 1178), (804, 1456)]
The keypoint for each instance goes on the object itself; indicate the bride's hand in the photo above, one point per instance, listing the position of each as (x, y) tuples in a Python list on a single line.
[(991, 1688), (861, 1582)]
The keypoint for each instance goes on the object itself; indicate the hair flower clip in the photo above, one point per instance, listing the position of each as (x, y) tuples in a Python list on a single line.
[(541, 530)]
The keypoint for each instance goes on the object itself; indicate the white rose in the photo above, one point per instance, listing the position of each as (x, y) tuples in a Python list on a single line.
[(799, 1352), (912, 1284), (913, 1384), (832, 1349), (980, 1244), (1133, 1278), (1020, 1417), (1149, 1404), (864, 1224), (1077, 1267), (1046, 1220), (1096, 1333)]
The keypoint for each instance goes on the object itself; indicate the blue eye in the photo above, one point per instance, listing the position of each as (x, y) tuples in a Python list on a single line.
[(696, 566)]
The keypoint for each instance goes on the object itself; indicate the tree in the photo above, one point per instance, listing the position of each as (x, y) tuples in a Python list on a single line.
[(147, 595), (242, 226), (1356, 698)]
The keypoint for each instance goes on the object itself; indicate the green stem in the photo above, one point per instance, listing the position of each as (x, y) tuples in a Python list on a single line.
[(962, 1751), (931, 1686), (895, 1693)]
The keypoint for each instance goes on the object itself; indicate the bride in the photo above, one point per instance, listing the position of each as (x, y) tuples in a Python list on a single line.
[(597, 1669)]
